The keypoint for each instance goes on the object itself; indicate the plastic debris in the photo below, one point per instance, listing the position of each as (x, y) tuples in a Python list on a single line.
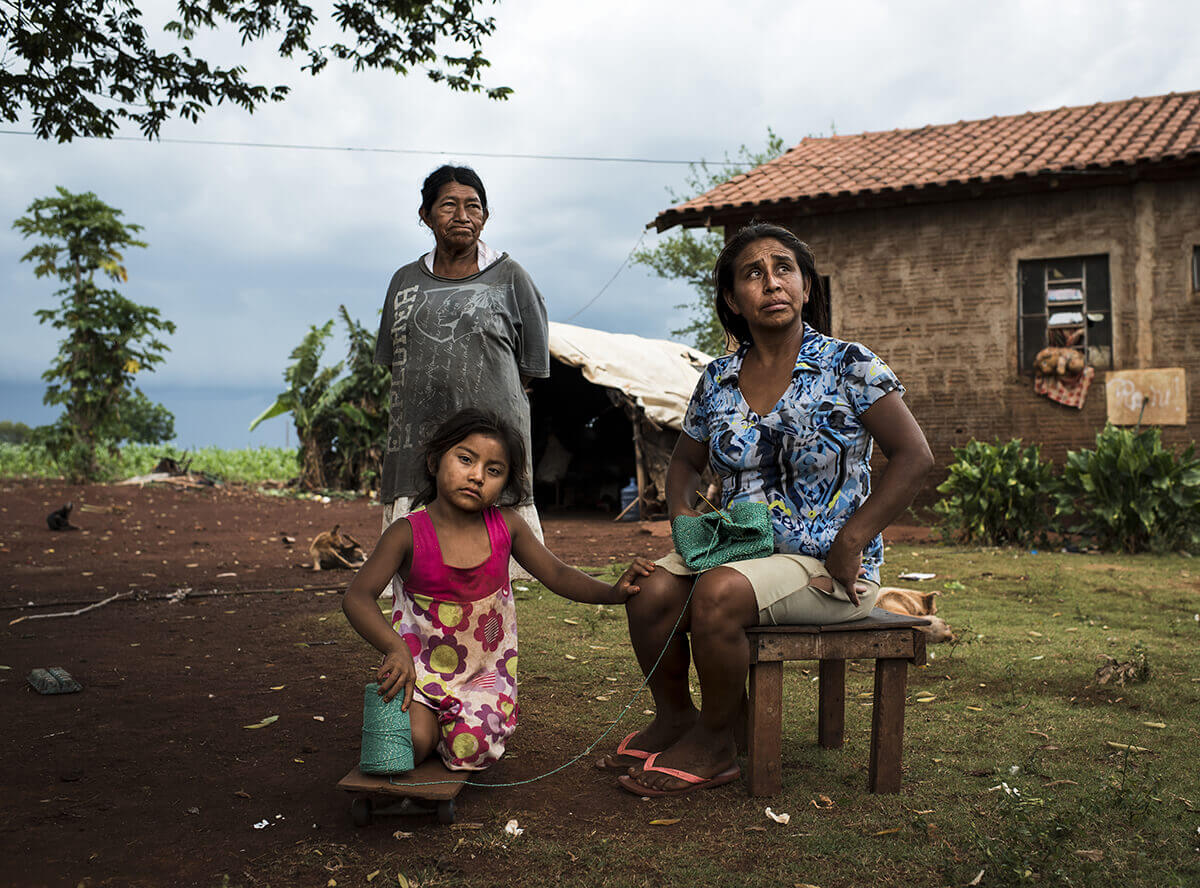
[(512, 829), (914, 575), (785, 819), (54, 680)]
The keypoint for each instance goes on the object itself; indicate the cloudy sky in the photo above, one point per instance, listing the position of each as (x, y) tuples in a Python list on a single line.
[(249, 246)]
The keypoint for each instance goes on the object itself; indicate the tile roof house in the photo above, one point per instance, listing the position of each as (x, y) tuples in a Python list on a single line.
[(959, 251)]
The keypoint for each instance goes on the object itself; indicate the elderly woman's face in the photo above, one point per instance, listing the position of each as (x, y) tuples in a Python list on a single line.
[(769, 289), (457, 216)]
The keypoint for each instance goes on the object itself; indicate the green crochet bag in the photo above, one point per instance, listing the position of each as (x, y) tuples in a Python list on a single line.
[(742, 531)]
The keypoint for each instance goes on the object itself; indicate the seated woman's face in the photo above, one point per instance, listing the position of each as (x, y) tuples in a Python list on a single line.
[(769, 289), (457, 216)]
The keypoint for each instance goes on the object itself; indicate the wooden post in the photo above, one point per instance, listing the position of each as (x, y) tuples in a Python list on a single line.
[(640, 472), (887, 725), (831, 703), (765, 763)]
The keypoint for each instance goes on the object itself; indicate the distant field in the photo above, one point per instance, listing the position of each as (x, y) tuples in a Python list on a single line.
[(249, 465)]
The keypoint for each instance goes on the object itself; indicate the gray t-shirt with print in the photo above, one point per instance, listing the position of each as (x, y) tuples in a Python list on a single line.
[(456, 343)]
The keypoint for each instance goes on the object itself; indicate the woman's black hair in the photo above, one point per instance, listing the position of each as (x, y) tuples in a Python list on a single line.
[(446, 174), (460, 426), (816, 310)]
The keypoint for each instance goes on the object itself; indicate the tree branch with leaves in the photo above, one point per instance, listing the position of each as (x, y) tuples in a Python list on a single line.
[(80, 68)]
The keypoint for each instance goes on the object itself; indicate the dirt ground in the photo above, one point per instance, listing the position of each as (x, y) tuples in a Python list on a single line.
[(149, 777)]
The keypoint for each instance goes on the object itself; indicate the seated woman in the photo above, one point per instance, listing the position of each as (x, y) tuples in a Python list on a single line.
[(787, 420)]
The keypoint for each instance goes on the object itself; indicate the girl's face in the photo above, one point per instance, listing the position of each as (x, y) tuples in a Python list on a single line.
[(769, 290), (472, 473)]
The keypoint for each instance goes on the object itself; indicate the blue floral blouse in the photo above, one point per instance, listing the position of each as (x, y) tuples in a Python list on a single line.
[(809, 458)]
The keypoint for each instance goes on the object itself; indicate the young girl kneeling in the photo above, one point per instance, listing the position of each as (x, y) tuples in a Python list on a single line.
[(452, 644)]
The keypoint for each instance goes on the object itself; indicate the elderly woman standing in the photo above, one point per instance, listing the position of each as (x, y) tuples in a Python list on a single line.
[(788, 420), (463, 326)]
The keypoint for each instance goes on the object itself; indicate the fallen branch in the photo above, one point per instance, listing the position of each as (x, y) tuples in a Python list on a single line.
[(166, 478), (167, 596), (73, 613)]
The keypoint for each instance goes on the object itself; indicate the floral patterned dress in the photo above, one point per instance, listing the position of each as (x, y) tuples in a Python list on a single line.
[(461, 626)]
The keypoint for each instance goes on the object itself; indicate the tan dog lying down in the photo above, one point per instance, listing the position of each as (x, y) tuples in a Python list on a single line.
[(332, 549), (911, 603)]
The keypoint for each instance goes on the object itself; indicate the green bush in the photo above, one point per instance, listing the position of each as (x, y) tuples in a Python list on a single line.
[(26, 461), (997, 494), (249, 465), (1131, 493)]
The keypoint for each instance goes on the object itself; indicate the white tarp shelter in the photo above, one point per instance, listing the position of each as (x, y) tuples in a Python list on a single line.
[(655, 374), (586, 438)]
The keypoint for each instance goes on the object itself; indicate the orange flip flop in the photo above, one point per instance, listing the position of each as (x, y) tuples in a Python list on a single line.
[(733, 772), (623, 748)]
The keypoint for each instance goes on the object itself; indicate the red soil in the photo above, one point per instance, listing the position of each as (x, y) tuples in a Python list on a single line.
[(147, 777)]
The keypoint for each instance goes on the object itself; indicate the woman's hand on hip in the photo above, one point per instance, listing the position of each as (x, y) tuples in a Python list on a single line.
[(844, 563)]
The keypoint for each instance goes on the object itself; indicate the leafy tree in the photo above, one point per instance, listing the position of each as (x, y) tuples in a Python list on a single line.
[(108, 338), (305, 398), (341, 420), (14, 432), (359, 412), (690, 257), (82, 66)]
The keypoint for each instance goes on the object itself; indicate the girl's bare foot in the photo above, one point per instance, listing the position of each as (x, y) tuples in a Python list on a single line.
[(663, 731)]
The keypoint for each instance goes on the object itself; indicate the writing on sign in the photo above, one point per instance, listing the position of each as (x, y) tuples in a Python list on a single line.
[(1161, 392)]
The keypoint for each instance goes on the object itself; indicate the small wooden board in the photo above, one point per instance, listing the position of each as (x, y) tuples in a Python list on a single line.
[(430, 782), (445, 784)]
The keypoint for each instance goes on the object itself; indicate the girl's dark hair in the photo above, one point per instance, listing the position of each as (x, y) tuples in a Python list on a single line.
[(445, 174), (462, 425), (816, 310)]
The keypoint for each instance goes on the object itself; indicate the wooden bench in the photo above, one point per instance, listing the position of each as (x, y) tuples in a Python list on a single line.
[(892, 641)]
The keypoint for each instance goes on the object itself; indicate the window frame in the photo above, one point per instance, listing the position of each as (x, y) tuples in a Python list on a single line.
[(1086, 295)]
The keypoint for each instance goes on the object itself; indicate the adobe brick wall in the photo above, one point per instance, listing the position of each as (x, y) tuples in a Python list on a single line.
[(932, 288)]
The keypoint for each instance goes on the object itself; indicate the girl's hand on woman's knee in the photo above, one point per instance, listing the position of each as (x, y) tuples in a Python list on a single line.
[(627, 584)]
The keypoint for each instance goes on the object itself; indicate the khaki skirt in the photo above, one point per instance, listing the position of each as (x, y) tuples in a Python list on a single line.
[(784, 592)]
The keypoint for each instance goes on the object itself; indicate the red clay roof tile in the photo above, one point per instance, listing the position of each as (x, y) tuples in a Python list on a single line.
[(1135, 131)]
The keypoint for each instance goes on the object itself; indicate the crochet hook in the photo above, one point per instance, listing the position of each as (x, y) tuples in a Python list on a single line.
[(714, 508)]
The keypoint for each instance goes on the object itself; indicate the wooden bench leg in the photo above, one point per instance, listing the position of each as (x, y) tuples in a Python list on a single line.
[(887, 725), (765, 763), (831, 703)]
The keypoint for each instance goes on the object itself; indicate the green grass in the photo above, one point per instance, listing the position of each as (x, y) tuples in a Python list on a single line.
[(1007, 768), (248, 465)]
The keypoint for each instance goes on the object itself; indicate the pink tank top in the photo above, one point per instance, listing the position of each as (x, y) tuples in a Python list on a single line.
[(432, 577)]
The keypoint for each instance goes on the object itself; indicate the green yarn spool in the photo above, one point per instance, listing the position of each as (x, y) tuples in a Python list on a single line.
[(386, 736), (742, 531)]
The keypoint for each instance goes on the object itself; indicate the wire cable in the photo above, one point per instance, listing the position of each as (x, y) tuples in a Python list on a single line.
[(228, 143), (620, 268)]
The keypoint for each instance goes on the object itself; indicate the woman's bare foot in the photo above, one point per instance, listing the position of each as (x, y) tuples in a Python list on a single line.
[(655, 737), (699, 752)]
